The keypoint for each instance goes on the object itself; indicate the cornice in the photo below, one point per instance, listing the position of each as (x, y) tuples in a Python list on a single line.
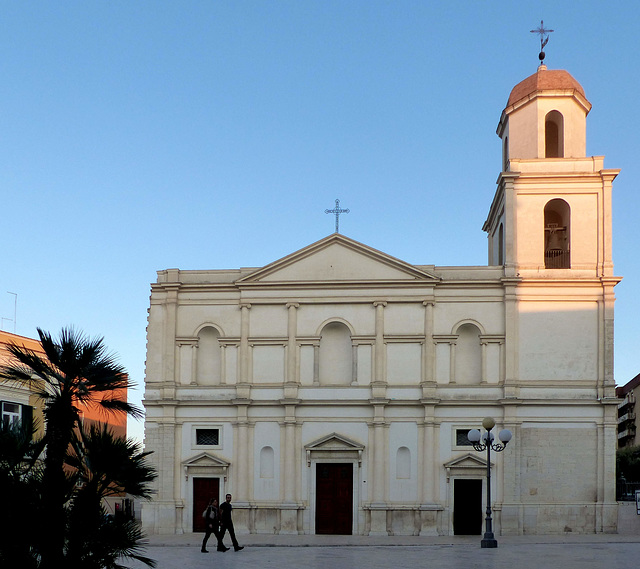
[(337, 284)]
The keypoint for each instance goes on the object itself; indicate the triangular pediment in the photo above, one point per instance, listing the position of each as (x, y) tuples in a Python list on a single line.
[(466, 461), (337, 258), (334, 442), (205, 459)]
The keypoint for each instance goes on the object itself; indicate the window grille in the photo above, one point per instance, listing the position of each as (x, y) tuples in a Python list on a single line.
[(462, 439), (207, 437)]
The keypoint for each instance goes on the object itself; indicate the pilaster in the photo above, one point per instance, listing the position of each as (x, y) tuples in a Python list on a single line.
[(292, 381), (243, 387), (378, 470), (428, 352), (291, 474), (169, 333), (511, 339), (379, 385)]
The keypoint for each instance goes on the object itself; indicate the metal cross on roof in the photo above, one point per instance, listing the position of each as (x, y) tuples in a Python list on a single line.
[(543, 40), (337, 210)]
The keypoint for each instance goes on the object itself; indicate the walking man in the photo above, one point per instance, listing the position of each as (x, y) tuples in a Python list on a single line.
[(226, 523)]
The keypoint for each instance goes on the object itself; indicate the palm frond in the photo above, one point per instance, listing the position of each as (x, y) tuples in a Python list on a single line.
[(115, 405), (19, 451), (111, 464), (31, 369)]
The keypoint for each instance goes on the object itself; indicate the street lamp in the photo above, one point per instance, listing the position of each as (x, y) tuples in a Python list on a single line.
[(480, 443)]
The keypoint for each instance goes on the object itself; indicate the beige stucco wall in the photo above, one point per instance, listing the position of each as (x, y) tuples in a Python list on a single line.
[(406, 398)]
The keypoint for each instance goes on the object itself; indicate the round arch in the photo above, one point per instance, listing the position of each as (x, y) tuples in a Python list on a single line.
[(331, 321), (461, 323), (208, 325)]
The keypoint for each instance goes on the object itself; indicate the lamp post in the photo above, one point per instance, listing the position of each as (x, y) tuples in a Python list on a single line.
[(483, 442)]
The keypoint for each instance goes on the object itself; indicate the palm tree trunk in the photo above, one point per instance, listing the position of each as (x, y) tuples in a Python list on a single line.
[(60, 425)]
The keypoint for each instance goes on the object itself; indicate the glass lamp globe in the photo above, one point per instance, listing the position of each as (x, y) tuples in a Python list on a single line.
[(488, 436), (488, 423), (474, 436), (505, 435)]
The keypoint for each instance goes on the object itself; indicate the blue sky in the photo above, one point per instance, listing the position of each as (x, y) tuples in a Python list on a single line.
[(140, 136)]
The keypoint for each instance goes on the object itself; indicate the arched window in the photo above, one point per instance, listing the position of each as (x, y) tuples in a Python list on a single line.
[(335, 365), (266, 462), (501, 245), (208, 361), (554, 135), (468, 355), (505, 153), (403, 463), (557, 235)]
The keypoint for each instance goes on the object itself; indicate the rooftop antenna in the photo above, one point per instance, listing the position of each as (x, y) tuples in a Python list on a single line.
[(543, 40), (15, 309)]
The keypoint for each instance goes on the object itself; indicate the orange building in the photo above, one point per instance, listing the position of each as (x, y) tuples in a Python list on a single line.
[(18, 403), (93, 413)]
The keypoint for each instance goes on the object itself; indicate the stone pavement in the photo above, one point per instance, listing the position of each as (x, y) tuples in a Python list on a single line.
[(601, 551)]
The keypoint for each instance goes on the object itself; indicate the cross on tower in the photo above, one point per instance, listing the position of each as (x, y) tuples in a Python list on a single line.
[(543, 41), (337, 211)]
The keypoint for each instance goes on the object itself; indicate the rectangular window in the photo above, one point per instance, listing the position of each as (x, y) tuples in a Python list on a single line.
[(10, 413), (462, 440), (207, 437)]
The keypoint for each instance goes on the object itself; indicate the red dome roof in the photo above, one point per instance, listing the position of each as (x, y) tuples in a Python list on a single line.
[(544, 80)]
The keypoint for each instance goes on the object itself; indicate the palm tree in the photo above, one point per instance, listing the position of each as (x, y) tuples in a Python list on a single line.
[(75, 370), (105, 465), (21, 483)]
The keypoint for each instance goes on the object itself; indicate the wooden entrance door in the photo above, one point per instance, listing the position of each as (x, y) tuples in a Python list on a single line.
[(467, 507), (203, 490), (334, 499)]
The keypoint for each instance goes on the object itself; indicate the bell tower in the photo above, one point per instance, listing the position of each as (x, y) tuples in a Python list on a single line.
[(551, 214), (549, 228)]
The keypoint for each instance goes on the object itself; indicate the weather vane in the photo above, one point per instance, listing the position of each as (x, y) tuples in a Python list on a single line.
[(543, 40), (337, 211)]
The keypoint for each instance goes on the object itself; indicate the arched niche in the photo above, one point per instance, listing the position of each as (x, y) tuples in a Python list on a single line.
[(335, 366), (266, 462), (208, 364), (468, 354), (403, 463)]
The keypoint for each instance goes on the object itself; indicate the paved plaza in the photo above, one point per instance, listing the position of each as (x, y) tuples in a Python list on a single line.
[(348, 552)]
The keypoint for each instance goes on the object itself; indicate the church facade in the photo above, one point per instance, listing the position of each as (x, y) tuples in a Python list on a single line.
[(332, 390)]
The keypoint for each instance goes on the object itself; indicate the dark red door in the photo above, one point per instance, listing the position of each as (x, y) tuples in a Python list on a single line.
[(334, 499), (467, 507), (203, 490)]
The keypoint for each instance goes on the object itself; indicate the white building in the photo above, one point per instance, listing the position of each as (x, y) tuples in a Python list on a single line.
[(331, 391)]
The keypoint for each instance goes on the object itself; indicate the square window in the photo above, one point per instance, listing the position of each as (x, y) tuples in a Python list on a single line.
[(207, 437), (462, 439)]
